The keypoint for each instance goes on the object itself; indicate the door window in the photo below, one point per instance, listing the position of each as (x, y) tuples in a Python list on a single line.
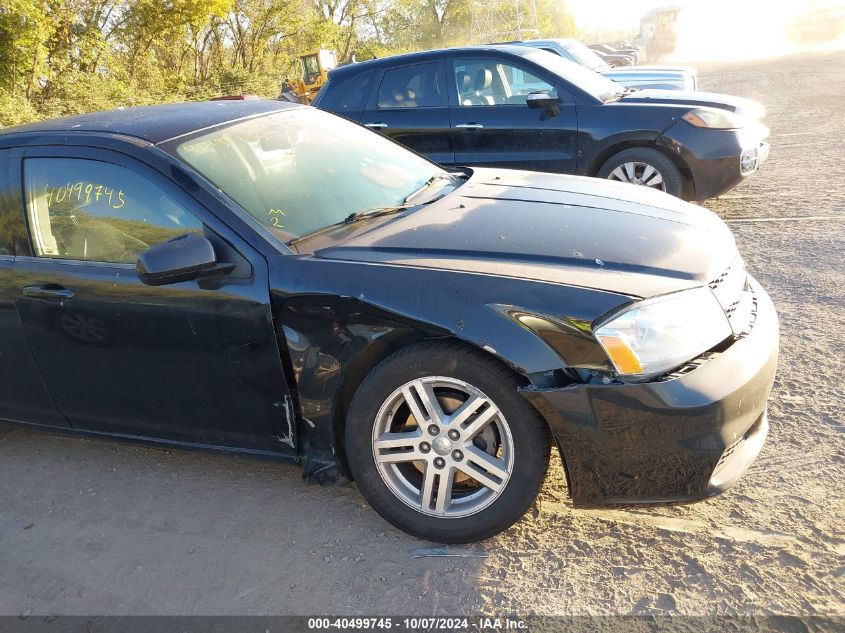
[(490, 83), (94, 211), (12, 230), (348, 94), (415, 86)]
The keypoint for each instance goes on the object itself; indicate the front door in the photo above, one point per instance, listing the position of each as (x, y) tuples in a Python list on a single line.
[(492, 125), (195, 361), (23, 395), (410, 106)]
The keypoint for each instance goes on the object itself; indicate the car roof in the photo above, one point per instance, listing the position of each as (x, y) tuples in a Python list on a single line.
[(563, 41), (423, 56), (154, 123)]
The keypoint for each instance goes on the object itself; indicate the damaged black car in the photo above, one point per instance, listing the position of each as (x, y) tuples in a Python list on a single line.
[(265, 278)]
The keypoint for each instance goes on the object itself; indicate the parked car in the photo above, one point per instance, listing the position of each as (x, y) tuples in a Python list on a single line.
[(614, 58), (626, 49), (616, 61), (261, 277), (235, 98), (654, 77), (523, 108), (613, 50), (625, 45)]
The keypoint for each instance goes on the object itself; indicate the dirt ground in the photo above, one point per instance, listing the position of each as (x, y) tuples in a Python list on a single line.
[(93, 527)]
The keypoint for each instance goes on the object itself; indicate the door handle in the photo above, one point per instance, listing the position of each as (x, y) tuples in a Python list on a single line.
[(48, 292), (375, 126), (470, 126)]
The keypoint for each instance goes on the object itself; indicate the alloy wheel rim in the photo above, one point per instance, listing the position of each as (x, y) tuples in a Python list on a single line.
[(442, 447), (639, 173)]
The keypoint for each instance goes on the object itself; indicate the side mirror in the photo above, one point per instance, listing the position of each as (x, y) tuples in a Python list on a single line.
[(183, 258), (542, 100)]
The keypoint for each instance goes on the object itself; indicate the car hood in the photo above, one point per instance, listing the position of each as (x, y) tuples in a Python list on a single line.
[(650, 72), (660, 78), (745, 107), (559, 229)]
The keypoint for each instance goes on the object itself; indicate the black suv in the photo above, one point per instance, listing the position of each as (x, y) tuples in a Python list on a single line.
[(510, 106)]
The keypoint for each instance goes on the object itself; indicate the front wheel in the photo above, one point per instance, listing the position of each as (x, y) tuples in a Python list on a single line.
[(644, 166), (441, 444)]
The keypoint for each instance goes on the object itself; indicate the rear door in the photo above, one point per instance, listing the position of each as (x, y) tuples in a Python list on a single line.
[(410, 106), (23, 395), (348, 94), (195, 361), (493, 126)]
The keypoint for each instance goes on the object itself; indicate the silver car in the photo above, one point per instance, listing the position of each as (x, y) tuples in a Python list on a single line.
[(653, 77)]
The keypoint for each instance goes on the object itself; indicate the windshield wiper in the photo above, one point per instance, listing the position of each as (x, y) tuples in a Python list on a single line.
[(352, 218), (428, 184), (357, 216)]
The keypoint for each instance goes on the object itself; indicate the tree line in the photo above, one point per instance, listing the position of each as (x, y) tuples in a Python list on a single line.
[(61, 57)]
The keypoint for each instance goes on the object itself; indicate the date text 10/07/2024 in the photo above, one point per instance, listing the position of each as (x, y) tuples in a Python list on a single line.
[(418, 623)]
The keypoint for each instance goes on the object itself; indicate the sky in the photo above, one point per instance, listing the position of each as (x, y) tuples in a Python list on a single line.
[(725, 29), (611, 14), (626, 14)]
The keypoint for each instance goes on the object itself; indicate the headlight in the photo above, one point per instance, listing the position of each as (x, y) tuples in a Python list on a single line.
[(714, 119), (652, 337)]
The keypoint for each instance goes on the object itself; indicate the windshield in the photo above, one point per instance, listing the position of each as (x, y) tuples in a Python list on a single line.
[(586, 56), (590, 82), (310, 68), (300, 170)]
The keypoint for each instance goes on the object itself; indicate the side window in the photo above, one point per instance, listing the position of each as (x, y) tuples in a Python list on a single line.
[(350, 93), (94, 211), (12, 230), (491, 83), (415, 86)]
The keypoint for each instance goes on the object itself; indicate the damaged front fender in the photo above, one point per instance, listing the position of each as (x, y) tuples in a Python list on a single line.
[(338, 319)]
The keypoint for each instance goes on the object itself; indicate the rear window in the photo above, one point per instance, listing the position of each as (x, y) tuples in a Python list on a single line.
[(416, 86), (348, 93)]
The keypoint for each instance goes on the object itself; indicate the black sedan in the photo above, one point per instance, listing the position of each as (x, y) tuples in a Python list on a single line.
[(524, 108), (265, 278)]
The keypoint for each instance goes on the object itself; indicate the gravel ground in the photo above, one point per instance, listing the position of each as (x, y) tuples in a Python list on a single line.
[(93, 527)]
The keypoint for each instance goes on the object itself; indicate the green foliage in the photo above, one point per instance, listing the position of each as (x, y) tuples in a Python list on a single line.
[(15, 109), (61, 57)]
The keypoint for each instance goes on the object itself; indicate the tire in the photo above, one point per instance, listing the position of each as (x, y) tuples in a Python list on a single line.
[(642, 158), (504, 433)]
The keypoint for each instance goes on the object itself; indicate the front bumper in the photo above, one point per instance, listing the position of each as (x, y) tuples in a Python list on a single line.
[(684, 437), (753, 157), (717, 159)]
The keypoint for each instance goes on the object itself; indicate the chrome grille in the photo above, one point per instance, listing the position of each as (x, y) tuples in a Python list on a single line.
[(691, 366), (732, 291)]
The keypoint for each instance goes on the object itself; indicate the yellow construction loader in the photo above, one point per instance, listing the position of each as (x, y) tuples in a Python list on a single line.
[(315, 72)]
